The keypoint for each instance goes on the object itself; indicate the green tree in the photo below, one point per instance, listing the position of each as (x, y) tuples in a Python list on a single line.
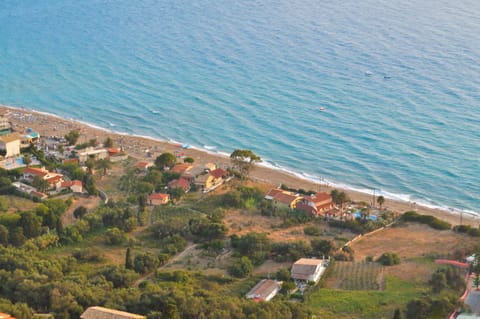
[(380, 201), (31, 224), (61, 149), (128, 259), (108, 142), (79, 212), (90, 164), (165, 160), (3, 235), (397, 314), (145, 262), (244, 160), (114, 236), (93, 142), (72, 137), (27, 159), (40, 184), (242, 268), (104, 164), (189, 160), (389, 259)]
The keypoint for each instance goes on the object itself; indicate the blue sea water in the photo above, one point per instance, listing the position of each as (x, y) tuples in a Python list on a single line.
[(399, 81)]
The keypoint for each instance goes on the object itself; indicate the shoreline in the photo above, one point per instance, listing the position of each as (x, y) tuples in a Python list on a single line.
[(48, 124)]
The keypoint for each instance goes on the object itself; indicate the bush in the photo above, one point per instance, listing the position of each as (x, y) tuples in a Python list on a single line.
[(242, 268), (145, 262), (312, 231), (114, 236), (389, 259), (429, 220)]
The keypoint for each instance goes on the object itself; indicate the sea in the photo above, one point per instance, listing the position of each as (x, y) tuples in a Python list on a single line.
[(378, 96)]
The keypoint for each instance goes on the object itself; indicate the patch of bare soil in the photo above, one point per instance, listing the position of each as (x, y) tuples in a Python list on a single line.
[(88, 202)]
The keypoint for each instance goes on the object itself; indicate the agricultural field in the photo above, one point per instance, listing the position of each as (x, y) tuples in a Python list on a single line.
[(357, 276)]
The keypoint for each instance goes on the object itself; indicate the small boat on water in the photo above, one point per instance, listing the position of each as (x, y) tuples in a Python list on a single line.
[(323, 108)]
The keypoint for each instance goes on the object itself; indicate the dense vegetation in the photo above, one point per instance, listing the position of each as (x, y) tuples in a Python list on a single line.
[(429, 220)]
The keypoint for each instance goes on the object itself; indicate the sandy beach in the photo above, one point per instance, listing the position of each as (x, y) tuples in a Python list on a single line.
[(137, 147)]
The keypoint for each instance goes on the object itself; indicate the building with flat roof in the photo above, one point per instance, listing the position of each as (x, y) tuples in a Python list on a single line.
[(308, 269), (10, 144)]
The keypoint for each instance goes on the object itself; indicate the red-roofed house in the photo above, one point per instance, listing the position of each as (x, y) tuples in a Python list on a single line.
[(219, 173), (265, 290), (39, 195), (283, 198), (316, 204), (182, 182), (181, 168), (156, 199), (5, 316), (54, 179), (75, 186), (143, 166)]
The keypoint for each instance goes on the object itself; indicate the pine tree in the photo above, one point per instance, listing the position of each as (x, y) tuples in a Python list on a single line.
[(128, 259)]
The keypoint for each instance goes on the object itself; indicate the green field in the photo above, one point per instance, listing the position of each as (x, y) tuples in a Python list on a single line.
[(333, 303)]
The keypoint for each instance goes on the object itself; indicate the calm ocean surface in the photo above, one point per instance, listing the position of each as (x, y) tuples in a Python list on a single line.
[(399, 81)]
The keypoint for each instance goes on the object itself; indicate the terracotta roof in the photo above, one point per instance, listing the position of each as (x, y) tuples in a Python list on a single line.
[(70, 160), (38, 194), (305, 267), (105, 313), (273, 192), (263, 289), (71, 183), (218, 173), (40, 172), (319, 197), (182, 182), (144, 164), (5, 316), (181, 168), (54, 179), (160, 196)]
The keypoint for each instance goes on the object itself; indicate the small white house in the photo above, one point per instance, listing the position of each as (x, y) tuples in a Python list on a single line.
[(308, 269)]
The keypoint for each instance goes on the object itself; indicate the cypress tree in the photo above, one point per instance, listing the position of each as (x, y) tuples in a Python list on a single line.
[(128, 259)]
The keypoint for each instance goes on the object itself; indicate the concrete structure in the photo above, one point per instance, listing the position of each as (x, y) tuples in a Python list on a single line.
[(106, 313), (265, 290), (96, 154), (156, 199), (10, 144), (307, 269), (5, 127), (283, 198)]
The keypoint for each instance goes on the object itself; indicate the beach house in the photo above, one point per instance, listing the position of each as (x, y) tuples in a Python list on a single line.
[(316, 204), (96, 154), (308, 269), (211, 180), (10, 144), (264, 290), (157, 199), (181, 168), (106, 313), (283, 199)]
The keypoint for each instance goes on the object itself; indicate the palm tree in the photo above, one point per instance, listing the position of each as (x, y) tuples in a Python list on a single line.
[(380, 200), (104, 164), (40, 184)]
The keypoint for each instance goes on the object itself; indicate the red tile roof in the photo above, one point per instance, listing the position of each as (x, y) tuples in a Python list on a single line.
[(5, 316), (40, 172), (218, 173), (159, 196), (182, 182), (181, 168), (319, 197), (144, 164), (54, 179)]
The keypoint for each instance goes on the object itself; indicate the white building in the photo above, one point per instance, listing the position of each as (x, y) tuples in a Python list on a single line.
[(308, 269), (265, 290), (10, 143)]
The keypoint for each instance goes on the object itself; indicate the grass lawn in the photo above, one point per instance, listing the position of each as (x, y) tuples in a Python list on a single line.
[(332, 303)]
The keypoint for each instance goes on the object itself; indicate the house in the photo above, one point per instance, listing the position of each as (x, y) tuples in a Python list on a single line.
[(207, 182), (181, 168), (5, 316), (96, 154), (143, 166), (156, 199), (75, 186), (182, 182), (10, 144), (54, 180), (308, 269), (219, 173), (39, 195), (210, 167), (265, 290), (316, 204), (283, 198), (106, 313), (71, 161)]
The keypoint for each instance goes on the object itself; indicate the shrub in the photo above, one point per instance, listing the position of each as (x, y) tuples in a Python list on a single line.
[(312, 231), (389, 259), (429, 220), (114, 236), (241, 268)]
